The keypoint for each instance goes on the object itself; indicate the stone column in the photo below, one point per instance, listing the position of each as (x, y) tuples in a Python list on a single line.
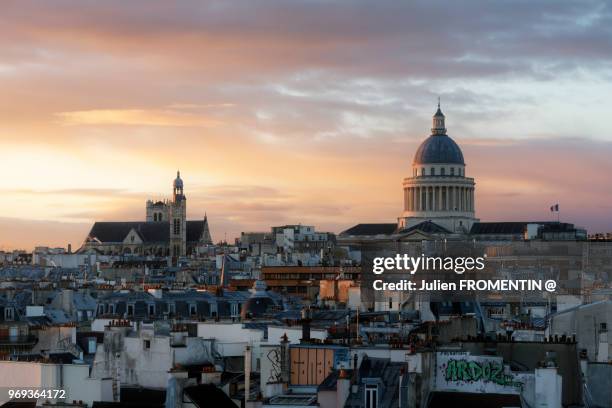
[(469, 199), (472, 199), (456, 197), (409, 198), (446, 190)]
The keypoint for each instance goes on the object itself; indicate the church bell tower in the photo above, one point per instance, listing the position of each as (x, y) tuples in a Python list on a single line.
[(178, 219)]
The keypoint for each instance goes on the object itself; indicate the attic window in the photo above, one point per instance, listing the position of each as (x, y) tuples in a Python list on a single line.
[(371, 396)]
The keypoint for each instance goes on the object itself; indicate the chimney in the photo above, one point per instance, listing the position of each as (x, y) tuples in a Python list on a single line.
[(343, 387), (284, 359), (247, 374), (178, 379), (401, 380), (306, 319)]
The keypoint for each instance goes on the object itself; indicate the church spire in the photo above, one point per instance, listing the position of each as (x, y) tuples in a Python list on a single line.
[(438, 122)]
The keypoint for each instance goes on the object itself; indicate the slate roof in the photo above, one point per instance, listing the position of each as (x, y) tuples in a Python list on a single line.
[(498, 227), (208, 395), (371, 229), (148, 231), (517, 227)]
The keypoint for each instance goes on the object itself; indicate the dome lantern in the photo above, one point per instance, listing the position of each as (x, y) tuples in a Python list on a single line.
[(438, 122)]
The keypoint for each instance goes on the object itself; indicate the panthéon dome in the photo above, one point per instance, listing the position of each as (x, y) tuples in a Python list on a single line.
[(439, 147)]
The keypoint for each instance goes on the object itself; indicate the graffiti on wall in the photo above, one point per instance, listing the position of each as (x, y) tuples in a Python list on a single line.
[(472, 370), (274, 357), (469, 373)]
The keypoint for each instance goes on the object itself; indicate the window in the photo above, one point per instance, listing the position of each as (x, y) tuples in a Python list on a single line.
[(151, 310), (433, 171), (177, 226), (91, 345), (603, 327), (371, 396), (422, 171), (452, 171), (192, 310), (442, 171), (146, 344), (130, 310), (8, 313)]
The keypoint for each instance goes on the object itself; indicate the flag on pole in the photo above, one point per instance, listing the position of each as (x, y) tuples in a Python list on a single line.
[(554, 208)]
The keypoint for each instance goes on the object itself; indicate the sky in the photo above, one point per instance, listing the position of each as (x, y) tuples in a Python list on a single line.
[(307, 112)]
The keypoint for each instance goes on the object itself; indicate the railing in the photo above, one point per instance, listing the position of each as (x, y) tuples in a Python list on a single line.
[(15, 340)]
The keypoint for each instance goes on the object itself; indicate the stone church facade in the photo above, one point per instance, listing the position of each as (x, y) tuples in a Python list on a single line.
[(165, 231)]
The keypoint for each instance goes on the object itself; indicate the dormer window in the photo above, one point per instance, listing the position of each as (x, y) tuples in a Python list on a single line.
[(371, 396), (9, 314)]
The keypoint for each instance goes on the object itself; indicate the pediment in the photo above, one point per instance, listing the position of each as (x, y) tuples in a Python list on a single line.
[(133, 238)]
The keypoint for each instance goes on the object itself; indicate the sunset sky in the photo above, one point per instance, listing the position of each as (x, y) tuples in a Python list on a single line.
[(297, 111)]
